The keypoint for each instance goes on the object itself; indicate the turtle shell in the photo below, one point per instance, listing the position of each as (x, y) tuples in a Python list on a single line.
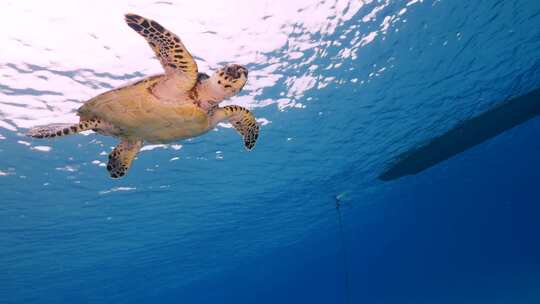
[(136, 113)]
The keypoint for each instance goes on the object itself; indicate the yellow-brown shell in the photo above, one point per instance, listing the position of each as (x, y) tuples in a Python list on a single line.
[(136, 113)]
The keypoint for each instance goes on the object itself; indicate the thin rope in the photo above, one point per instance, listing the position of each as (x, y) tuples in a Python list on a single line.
[(344, 251)]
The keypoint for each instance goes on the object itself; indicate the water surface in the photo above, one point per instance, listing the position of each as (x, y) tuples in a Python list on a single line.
[(340, 88)]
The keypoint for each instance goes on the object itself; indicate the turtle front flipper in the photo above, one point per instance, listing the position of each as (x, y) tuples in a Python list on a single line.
[(122, 156), (242, 120), (55, 130), (171, 52)]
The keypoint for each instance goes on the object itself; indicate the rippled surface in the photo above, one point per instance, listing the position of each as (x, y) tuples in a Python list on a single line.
[(340, 88)]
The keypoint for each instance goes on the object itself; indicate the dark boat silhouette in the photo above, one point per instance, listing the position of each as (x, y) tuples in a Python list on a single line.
[(465, 135)]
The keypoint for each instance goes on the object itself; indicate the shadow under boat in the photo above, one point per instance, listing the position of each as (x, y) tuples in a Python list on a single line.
[(466, 135)]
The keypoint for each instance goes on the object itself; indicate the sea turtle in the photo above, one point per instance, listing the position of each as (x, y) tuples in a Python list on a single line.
[(179, 104)]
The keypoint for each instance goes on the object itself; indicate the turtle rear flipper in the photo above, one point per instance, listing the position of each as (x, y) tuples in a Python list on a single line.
[(55, 130), (122, 156)]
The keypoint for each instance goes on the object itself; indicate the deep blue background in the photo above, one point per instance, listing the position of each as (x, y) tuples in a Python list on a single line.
[(262, 227), (464, 232)]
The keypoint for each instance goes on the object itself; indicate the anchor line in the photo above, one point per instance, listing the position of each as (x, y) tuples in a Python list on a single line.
[(344, 251)]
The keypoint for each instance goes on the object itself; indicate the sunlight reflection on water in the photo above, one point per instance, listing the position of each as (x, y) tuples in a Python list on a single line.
[(58, 54), (339, 87)]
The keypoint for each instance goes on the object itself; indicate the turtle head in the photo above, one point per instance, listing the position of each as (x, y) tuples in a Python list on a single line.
[(225, 82)]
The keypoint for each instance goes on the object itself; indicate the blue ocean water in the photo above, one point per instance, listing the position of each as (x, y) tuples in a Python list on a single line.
[(340, 88)]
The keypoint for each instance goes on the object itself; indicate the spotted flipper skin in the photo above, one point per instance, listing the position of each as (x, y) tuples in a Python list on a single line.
[(122, 156), (56, 130), (242, 120), (169, 49)]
